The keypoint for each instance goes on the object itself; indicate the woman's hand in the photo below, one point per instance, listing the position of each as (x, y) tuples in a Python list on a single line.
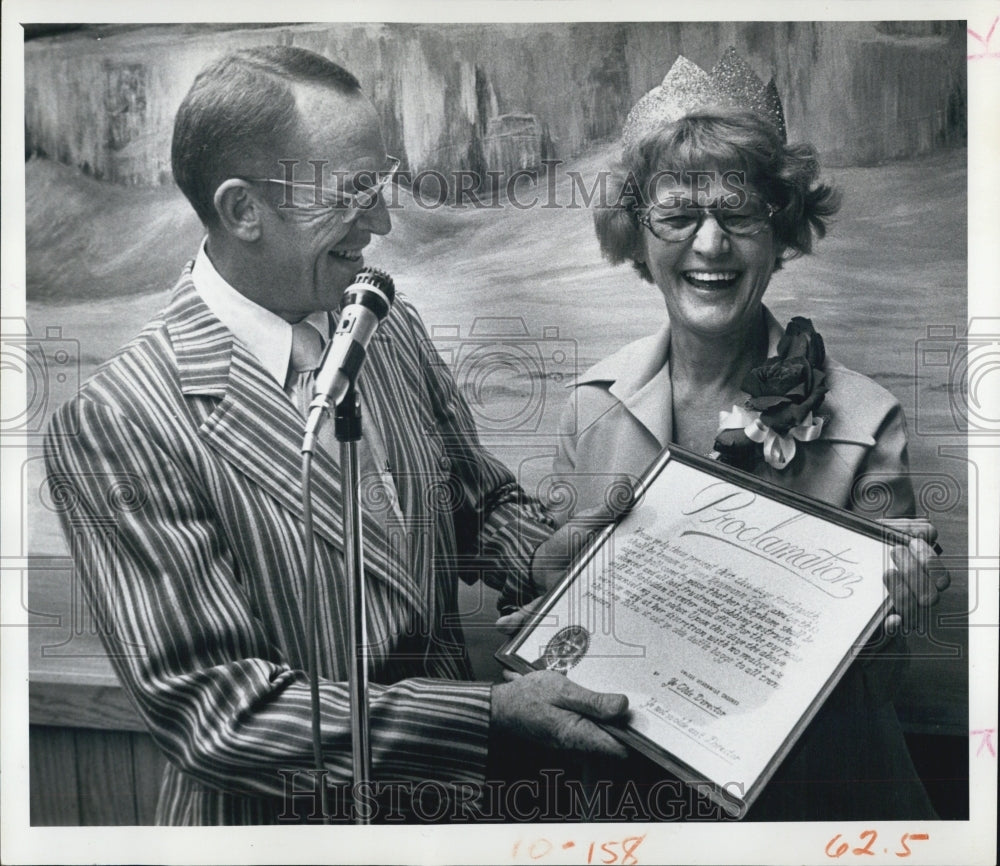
[(917, 577)]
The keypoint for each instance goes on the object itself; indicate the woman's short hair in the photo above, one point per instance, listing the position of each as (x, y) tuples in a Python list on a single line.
[(236, 114), (784, 175)]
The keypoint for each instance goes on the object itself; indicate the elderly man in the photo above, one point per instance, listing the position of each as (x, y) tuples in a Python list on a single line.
[(203, 586)]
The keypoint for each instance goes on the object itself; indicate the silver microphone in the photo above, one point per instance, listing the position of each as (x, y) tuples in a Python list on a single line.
[(363, 306)]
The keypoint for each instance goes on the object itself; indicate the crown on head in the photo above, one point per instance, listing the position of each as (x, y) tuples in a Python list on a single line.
[(732, 84)]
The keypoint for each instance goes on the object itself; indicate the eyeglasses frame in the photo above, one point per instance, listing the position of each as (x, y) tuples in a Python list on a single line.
[(351, 204), (703, 211)]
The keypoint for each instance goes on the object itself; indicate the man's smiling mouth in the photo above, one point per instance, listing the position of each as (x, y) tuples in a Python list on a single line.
[(348, 255)]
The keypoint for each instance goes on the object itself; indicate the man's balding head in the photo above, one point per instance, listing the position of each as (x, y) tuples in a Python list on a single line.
[(237, 113)]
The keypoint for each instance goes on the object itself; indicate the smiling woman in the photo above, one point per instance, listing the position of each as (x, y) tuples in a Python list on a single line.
[(708, 207), (710, 202)]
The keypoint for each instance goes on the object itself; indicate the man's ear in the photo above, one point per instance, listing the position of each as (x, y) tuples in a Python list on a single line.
[(238, 209)]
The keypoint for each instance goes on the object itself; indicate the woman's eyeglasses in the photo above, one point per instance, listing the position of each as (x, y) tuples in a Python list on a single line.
[(680, 219), (349, 204)]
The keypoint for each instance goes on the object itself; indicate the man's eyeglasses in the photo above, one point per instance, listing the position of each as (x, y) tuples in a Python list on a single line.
[(350, 204), (680, 219)]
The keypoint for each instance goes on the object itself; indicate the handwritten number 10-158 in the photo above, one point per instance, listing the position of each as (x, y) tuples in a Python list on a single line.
[(606, 853)]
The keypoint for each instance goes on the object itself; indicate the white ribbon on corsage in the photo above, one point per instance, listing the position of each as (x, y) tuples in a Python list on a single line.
[(779, 450)]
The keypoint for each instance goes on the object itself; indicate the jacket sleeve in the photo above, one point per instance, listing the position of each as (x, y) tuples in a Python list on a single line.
[(216, 693), (497, 525), (883, 478), (882, 483), (564, 463)]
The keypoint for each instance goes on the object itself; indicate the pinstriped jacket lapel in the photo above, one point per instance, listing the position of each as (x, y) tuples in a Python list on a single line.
[(257, 429)]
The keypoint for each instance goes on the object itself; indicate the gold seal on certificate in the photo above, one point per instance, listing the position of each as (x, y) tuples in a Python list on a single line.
[(725, 608)]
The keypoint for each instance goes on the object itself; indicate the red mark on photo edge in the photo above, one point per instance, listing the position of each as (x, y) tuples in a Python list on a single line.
[(608, 854), (986, 742), (984, 42), (835, 850)]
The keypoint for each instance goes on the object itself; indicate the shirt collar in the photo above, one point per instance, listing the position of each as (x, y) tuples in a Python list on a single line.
[(265, 334)]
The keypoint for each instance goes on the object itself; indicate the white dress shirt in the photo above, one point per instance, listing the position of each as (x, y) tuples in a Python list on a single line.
[(269, 338), (264, 333)]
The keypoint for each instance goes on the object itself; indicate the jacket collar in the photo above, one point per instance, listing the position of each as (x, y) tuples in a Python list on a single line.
[(257, 429), (203, 346), (638, 375)]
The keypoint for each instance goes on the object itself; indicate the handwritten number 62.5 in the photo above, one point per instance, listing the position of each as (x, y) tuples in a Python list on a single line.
[(835, 850)]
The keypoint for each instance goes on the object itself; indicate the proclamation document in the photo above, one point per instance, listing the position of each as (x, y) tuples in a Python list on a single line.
[(725, 610)]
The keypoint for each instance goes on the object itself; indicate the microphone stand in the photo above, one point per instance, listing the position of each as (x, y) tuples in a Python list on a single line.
[(365, 303), (347, 427)]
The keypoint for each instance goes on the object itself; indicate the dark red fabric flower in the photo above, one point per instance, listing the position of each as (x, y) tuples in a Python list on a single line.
[(800, 340), (784, 389), (772, 380), (790, 385)]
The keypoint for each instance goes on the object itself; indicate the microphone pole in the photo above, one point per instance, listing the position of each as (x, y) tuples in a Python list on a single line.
[(366, 302), (347, 427)]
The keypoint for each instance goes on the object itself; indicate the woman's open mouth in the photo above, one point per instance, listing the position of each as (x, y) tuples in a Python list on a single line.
[(712, 279)]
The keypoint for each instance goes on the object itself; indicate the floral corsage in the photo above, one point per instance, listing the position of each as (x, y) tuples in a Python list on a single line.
[(784, 392)]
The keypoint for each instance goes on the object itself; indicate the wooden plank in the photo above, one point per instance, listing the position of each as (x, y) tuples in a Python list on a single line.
[(147, 771), (104, 771), (54, 798), (72, 681), (64, 640), (81, 705)]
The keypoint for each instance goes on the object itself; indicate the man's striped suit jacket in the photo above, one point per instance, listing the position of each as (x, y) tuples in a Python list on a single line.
[(181, 496)]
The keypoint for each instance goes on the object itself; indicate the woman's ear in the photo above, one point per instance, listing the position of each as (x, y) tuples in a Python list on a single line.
[(238, 209)]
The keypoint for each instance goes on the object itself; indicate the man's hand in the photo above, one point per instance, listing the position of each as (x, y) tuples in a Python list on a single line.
[(510, 624), (547, 708), (553, 556), (916, 578)]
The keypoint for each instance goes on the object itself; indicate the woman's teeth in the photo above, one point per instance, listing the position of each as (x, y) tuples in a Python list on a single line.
[(712, 279)]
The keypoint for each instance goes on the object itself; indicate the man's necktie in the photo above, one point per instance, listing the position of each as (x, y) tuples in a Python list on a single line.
[(307, 350)]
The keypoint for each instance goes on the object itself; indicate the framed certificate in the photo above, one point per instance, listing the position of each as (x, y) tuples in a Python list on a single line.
[(725, 608)]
